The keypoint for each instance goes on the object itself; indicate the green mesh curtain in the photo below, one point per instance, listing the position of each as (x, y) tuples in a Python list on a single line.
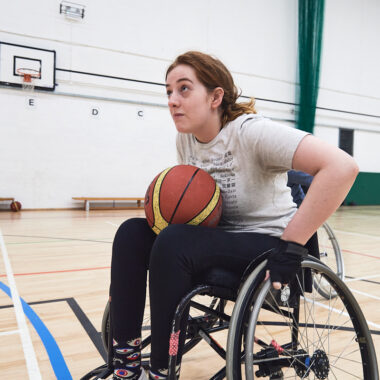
[(310, 26)]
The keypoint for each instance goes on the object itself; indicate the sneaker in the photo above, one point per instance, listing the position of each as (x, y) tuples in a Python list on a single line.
[(143, 375), (162, 374)]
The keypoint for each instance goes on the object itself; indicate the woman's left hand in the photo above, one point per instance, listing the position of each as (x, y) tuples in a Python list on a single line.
[(284, 262)]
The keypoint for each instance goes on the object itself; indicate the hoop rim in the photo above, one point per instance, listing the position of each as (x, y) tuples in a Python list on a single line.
[(27, 72)]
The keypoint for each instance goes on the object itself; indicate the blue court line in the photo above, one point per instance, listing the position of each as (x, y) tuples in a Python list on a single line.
[(56, 359)]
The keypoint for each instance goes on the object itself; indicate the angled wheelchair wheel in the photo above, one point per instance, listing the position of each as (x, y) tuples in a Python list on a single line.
[(198, 318), (305, 337), (145, 332), (331, 256)]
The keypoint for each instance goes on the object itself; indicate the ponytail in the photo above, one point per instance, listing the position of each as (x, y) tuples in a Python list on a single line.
[(233, 110)]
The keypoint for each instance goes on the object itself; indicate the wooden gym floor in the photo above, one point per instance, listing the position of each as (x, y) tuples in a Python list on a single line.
[(58, 262)]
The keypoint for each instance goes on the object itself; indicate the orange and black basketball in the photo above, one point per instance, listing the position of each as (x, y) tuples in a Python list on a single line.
[(182, 194), (15, 206)]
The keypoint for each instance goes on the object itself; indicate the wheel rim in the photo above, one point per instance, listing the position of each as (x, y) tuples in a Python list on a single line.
[(333, 340), (331, 256)]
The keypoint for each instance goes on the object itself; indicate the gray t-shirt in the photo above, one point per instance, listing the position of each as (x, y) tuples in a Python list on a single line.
[(249, 160)]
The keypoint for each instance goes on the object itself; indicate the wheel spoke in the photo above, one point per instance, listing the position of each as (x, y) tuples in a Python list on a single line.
[(326, 334)]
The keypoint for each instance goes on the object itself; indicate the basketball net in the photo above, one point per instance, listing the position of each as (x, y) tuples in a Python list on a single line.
[(28, 76), (27, 84)]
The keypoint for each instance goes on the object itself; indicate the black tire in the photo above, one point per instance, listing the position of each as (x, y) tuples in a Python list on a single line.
[(330, 336), (105, 326)]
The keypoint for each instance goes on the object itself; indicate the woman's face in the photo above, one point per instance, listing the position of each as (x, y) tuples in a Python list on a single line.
[(190, 104)]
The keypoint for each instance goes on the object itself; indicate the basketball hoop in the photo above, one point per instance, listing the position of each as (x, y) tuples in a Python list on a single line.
[(28, 76)]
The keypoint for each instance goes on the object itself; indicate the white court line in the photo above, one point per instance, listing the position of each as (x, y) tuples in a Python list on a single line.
[(340, 312), (112, 224), (26, 341), (9, 332), (361, 278), (358, 234), (365, 294)]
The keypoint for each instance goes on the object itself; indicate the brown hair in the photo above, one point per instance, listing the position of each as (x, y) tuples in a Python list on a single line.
[(212, 73)]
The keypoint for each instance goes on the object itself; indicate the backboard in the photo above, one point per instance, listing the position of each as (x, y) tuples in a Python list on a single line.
[(17, 59)]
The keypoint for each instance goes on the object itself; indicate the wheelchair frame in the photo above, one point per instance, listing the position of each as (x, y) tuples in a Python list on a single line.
[(252, 299)]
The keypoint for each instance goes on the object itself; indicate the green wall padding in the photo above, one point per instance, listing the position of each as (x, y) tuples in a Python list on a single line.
[(310, 29), (366, 190)]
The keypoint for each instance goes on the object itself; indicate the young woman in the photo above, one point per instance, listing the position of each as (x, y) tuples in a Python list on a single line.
[(248, 156)]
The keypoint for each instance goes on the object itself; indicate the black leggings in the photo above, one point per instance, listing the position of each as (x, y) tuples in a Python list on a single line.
[(174, 258)]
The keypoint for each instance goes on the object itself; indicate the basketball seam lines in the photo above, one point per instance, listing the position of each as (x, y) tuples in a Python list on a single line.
[(157, 229), (207, 205), (183, 194)]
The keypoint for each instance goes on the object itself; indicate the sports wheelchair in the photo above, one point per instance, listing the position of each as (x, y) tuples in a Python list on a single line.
[(294, 333)]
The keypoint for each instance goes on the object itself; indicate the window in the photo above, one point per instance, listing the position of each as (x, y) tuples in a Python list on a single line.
[(346, 140)]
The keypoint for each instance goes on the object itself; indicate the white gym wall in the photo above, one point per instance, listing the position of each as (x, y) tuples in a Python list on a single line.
[(98, 136)]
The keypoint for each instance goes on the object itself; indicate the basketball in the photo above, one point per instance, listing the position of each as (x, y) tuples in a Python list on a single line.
[(182, 194), (15, 206)]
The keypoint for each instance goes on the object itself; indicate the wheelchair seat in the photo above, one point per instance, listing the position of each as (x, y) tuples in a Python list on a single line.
[(223, 283)]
